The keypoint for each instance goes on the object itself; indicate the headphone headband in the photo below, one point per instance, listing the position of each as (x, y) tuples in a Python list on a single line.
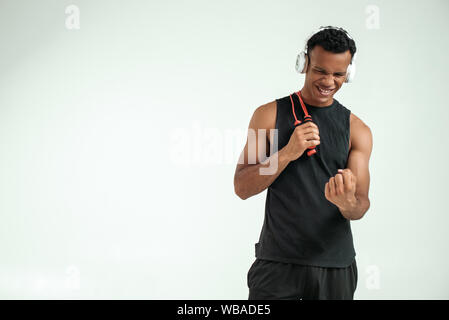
[(324, 28)]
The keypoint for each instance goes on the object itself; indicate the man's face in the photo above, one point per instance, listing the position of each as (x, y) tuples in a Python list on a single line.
[(326, 72)]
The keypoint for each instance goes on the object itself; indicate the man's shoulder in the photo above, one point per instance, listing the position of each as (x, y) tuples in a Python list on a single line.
[(359, 131), (266, 114), (357, 122), (269, 109)]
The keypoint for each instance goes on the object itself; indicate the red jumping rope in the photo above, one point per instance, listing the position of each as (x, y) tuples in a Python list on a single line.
[(307, 118)]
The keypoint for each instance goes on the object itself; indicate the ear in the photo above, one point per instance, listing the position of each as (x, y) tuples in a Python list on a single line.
[(306, 64)]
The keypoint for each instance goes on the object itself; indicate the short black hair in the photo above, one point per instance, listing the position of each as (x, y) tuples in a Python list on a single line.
[(333, 40)]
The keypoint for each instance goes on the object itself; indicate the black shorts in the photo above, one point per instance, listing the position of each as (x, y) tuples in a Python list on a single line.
[(287, 281)]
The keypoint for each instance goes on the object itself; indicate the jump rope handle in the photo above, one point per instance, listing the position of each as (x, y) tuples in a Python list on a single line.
[(312, 149), (307, 118)]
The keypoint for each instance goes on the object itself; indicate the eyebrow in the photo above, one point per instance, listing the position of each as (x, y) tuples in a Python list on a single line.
[(322, 69)]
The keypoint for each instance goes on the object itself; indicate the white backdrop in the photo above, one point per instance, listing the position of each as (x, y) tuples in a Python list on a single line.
[(121, 125)]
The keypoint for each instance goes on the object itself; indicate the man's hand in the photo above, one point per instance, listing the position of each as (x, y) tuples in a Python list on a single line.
[(340, 190), (304, 136)]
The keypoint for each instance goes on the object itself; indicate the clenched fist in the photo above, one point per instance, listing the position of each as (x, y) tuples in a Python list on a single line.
[(340, 189)]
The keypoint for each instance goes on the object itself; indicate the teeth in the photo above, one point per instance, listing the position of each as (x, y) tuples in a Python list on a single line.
[(324, 91)]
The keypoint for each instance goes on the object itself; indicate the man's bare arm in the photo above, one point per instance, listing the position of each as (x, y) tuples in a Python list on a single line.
[(247, 179), (358, 162), (251, 179)]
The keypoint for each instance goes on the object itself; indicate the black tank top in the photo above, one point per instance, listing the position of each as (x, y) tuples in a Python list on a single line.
[(300, 225)]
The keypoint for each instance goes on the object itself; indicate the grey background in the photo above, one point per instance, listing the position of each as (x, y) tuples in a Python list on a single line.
[(119, 140)]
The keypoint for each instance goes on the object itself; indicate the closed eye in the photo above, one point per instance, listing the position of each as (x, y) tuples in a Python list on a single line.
[(324, 72)]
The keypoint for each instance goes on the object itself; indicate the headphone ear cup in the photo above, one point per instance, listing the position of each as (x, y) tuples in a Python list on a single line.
[(350, 72), (301, 62)]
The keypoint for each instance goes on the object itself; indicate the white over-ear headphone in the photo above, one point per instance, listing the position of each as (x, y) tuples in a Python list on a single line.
[(301, 60)]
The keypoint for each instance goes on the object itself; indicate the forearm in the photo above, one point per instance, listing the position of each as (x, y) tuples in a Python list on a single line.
[(356, 209), (256, 178)]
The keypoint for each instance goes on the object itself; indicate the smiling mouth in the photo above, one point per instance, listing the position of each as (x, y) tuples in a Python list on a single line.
[(325, 92)]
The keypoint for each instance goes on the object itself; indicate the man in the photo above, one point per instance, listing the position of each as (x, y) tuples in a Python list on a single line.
[(305, 249)]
